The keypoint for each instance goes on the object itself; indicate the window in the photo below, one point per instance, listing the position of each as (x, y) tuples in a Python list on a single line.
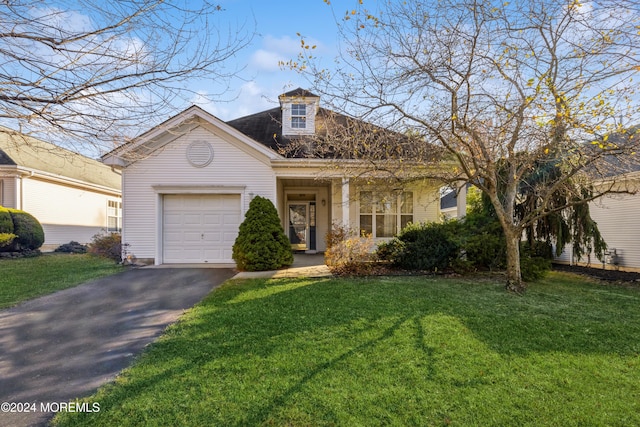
[(385, 214), (298, 116), (114, 216)]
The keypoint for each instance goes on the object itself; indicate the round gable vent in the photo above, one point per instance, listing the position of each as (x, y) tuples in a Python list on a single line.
[(200, 153)]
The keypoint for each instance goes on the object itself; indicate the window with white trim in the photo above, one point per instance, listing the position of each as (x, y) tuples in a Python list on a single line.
[(114, 216), (385, 214), (298, 116)]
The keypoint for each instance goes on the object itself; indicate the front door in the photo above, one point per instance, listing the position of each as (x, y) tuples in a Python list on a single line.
[(299, 226)]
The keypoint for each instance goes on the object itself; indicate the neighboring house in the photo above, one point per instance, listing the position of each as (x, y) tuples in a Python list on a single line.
[(619, 224), (187, 184), (453, 202), (72, 196)]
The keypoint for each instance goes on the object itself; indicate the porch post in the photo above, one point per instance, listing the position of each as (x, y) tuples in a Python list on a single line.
[(345, 202)]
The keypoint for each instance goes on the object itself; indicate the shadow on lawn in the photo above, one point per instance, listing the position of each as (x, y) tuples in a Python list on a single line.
[(257, 319)]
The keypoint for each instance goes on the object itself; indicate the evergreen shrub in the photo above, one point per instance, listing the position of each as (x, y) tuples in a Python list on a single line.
[(28, 231), (72, 247), (425, 246), (261, 244), (6, 223), (19, 231), (6, 239), (535, 259)]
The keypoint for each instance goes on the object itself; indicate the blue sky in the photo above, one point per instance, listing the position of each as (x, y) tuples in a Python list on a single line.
[(277, 24)]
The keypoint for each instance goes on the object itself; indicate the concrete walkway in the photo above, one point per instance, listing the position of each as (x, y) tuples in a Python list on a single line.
[(65, 345), (304, 265)]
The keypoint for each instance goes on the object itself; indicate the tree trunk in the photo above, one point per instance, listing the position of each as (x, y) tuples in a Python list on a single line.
[(514, 277)]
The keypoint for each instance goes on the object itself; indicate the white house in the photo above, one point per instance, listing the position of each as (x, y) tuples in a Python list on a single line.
[(73, 197), (619, 224), (187, 184)]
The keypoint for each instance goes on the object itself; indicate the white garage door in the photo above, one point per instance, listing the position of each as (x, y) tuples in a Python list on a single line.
[(199, 228)]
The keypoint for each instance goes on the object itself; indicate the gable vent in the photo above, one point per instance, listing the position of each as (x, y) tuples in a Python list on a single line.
[(200, 153)]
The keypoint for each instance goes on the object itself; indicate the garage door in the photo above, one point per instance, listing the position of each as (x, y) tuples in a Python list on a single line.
[(199, 228)]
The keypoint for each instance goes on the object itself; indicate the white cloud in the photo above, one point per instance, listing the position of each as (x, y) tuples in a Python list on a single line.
[(264, 60), (275, 50)]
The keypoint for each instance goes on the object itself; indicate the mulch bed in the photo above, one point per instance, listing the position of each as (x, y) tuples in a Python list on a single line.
[(599, 273)]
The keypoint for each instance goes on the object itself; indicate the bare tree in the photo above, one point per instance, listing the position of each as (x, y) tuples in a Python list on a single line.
[(91, 73), (503, 87)]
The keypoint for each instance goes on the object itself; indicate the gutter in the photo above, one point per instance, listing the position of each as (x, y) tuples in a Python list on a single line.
[(71, 182)]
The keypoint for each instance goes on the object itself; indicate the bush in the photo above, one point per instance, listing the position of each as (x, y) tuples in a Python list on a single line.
[(261, 243), (486, 251), (6, 223), (26, 230), (347, 253), (425, 246), (390, 250), (482, 240), (107, 245), (72, 248), (6, 239), (534, 268), (535, 260)]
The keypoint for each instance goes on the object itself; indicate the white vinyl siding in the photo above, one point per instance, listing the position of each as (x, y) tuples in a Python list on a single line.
[(232, 167), (617, 218), (66, 213)]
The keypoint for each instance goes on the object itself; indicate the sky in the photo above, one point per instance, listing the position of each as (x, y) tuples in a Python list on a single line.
[(277, 24)]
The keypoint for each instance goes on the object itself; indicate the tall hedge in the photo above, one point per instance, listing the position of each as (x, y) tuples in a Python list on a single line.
[(261, 243), (28, 232)]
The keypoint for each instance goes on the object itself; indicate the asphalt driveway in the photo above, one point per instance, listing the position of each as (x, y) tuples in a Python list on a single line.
[(65, 345)]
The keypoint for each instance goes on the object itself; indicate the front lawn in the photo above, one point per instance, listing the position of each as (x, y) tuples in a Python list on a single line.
[(25, 278), (389, 351)]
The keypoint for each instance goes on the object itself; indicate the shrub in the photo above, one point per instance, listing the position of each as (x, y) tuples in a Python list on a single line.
[(106, 245), (390, 250), (535, 260), (534, 268), (424, 246), (349, 254), (6, 223), (6, 239), (72, 248), (26, 230), (482, 240), (486, 251), (261, 243)]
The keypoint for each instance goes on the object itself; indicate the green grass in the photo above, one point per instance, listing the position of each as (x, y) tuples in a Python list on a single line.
[(389, 351), (25, 278)]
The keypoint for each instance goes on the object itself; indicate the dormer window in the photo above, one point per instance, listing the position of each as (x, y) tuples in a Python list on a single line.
[(299, 109), (298, 116)]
